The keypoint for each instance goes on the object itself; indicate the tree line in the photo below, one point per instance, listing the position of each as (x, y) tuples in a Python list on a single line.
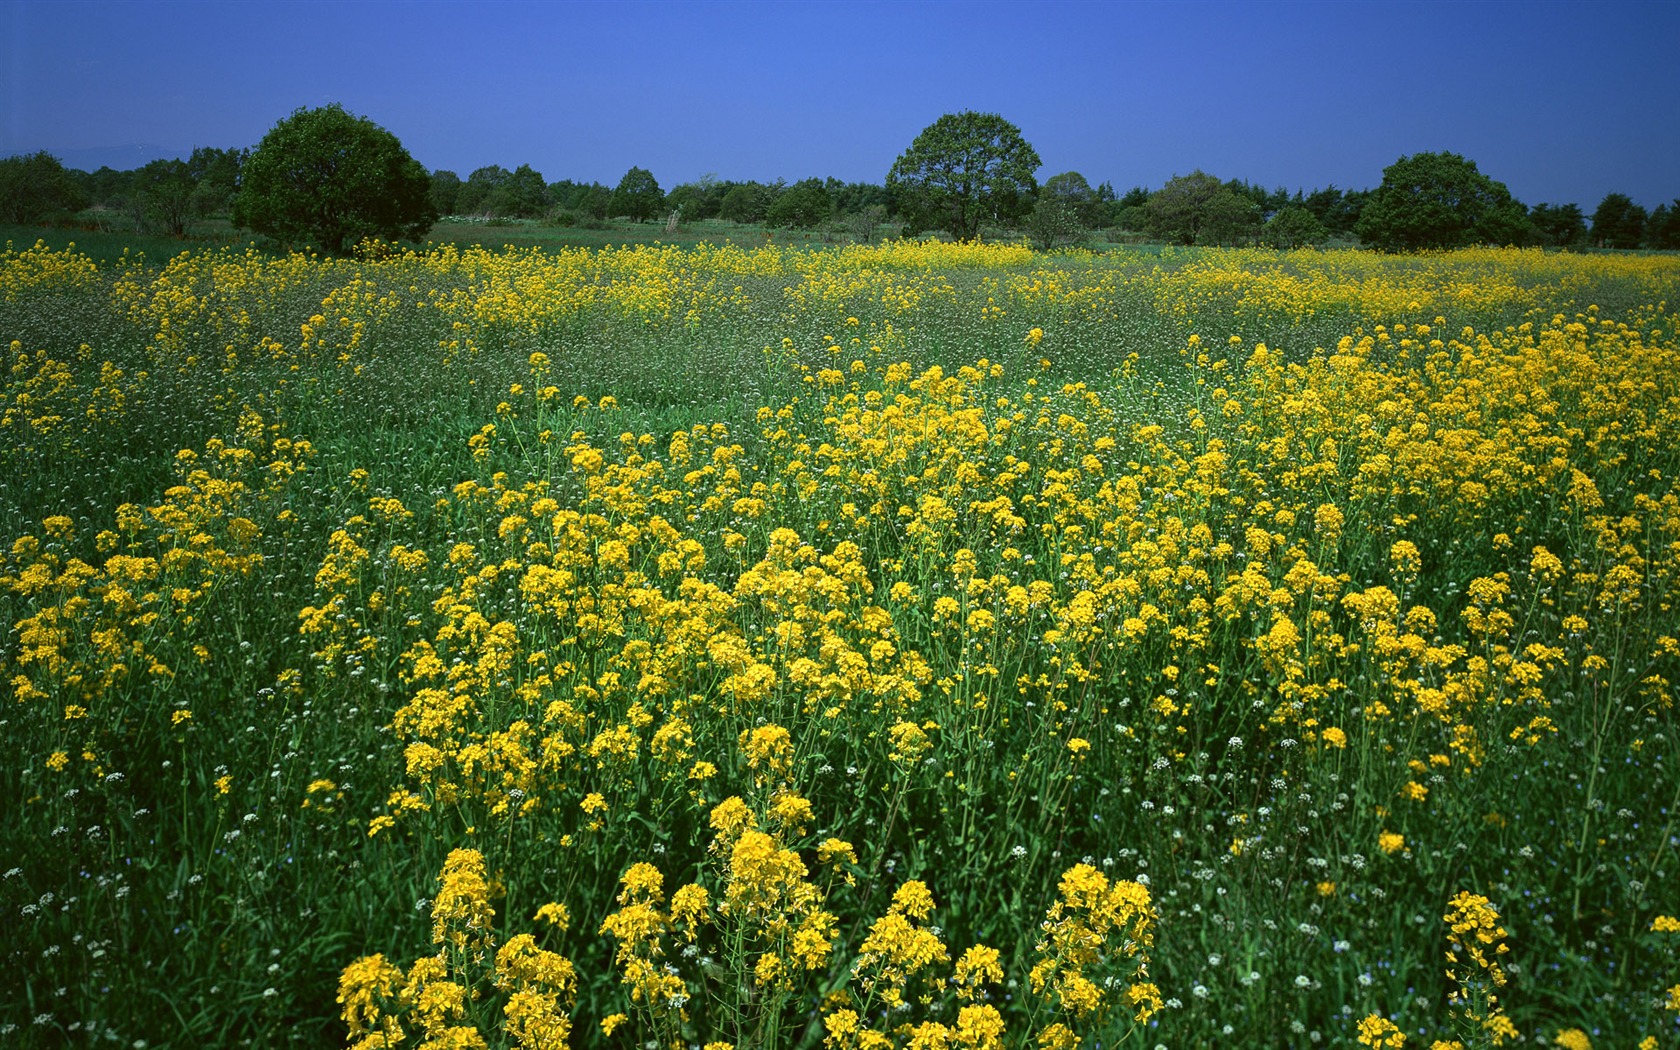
[(966, 174)]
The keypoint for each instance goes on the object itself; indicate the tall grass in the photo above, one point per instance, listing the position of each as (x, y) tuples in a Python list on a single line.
[(910, 645)]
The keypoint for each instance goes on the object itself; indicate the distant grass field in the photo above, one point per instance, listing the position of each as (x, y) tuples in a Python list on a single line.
[(751, 644), (108, 246)]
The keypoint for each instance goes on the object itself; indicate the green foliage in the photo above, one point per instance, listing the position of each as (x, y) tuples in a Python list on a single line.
[(444, 192), (1294, 227), (1558, 225), (1617, 222), (215, 174), (36, 187), (862, 224), (1054, 223), (165, 196), (523, 193), (1074, 192), (699, 199), (1663, 229), (803, 205), (963, 170), (1439, 200), (586, 199), (153, 900), (746, 202), (329, 177), (475, 193), (637, 196), (1199, 209), (1230, 218)]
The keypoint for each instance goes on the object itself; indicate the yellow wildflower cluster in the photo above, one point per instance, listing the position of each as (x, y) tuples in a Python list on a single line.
[(440, 999), (1096, 936), (820, 584), (1475, 941)]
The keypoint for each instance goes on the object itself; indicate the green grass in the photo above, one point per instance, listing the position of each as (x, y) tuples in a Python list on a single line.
[(154, 900)]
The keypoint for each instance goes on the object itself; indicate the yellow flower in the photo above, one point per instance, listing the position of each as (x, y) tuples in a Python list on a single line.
[(1390, 842), (1057, 1036), (1378, 1031), (690, 907), (731, 817), (977, 966), (836, 851), (554, 914), (769, 747), (1501, 1029), (913, 899), (1145, 1000)]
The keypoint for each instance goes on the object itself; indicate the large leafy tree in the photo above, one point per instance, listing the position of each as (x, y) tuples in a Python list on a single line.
[(215, 174), (164, 196), (1558, 225), (1662, 230), (474, 198), (1197, 207), (801, 206), (329, 177), (637, 195), (522, 193), (1292, 227), (445, 191), (963, 170), (747, 201), (1617, 222), (1439, 200), (699, 199), (36, 187), (1074, 192)]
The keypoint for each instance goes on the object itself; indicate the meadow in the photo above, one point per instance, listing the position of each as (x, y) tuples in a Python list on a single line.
[(914, 645)]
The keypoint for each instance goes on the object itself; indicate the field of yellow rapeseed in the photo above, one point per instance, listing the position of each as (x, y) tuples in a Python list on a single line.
[(912, 646)]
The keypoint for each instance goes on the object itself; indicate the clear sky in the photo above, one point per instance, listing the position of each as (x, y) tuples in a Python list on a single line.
[(1560, 101)]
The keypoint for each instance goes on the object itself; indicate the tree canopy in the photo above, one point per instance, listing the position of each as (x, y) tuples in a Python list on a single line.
[(963, 170), (1662, 229), (1439, 200), (329, 177), (803, 205), (1558, 225), (1198, 207), (35, 187), (1617, 222), (1073, 191), (164, 196), (637, 195), (1293, 227)]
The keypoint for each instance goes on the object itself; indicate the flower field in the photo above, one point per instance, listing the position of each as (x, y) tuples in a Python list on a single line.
[(918, 645)]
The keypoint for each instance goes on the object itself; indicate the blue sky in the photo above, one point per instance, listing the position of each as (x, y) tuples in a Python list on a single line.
[(1561, 101)]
